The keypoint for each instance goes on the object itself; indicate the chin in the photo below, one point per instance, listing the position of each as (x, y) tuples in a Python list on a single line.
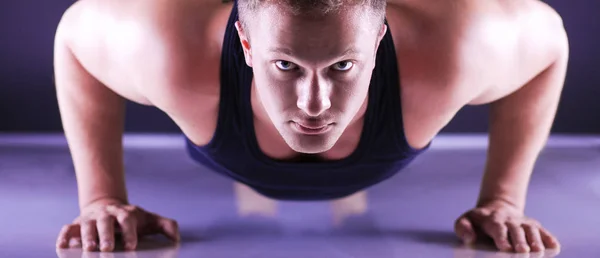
[(310, 144), (310, 148)]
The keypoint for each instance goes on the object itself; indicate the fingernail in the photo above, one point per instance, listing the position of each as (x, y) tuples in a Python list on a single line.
[(74, 243), (468, 238), (537, 247), (129, 246), (106, 245), (89, 245), (523, 247)]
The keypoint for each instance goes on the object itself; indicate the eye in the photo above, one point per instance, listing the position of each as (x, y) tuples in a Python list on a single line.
[(343, 66), (285, 65)]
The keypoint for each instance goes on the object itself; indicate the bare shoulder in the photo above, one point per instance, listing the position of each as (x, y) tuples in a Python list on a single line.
[(142, 48), (461, 52), (519, 41), (470, 46)]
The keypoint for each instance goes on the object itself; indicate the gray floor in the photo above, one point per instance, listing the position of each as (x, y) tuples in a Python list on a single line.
[(410, 215)]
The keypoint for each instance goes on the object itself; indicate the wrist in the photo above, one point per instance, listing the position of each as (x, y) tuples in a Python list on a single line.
[(102, 201), (500, 201)]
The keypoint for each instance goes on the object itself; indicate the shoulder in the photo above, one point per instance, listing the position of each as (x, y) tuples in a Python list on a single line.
[(465, 48), (542, 33), (161, 43), (531, 30), (509, 44)]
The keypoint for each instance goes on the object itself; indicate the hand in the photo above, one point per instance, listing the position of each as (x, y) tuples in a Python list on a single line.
[(99, 222), (507, 226)]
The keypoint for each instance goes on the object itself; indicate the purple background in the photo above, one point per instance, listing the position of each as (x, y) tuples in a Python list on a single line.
[(28, 102)]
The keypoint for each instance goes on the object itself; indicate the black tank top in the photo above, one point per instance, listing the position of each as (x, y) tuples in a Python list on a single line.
[(233, 151)]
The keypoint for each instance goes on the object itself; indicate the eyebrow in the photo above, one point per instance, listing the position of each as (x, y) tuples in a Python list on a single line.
[(287, 51)]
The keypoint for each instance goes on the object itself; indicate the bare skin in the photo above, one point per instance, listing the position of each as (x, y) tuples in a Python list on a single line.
[(511, 55)]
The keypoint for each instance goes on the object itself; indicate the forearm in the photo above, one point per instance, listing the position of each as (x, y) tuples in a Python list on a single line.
[(519, 128), (92, 118)]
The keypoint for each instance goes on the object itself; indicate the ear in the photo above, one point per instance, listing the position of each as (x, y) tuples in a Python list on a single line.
[(245, 43), (382, 32), (380, 36)]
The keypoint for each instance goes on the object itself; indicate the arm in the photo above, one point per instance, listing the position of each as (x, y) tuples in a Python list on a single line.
[(519, 126), (92, 118)]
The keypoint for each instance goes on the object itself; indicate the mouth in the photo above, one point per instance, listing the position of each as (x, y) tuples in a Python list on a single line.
[(312, 129)]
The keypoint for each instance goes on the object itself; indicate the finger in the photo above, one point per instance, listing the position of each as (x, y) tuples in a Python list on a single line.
[(131, 208), (464, 230), (518, 238), (169, 228), (66, 233), (549, 240), (499, 232), (534, 238), (75, 242), (89, 235), (128, 225), (106, 232)]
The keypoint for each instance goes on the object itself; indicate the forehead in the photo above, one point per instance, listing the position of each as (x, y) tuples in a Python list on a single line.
[(276, 27)]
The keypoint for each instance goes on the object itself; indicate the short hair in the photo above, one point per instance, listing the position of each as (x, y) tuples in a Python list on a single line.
[(314, 7)]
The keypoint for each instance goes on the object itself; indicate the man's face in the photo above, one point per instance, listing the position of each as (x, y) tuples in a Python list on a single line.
[(311, 74)]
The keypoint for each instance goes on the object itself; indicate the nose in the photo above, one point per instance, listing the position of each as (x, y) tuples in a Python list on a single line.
[(314, 97)]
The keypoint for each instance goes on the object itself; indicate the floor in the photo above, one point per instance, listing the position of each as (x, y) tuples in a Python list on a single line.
[(410, 215)]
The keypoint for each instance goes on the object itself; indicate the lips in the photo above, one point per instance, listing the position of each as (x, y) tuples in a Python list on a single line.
[(311, 128)]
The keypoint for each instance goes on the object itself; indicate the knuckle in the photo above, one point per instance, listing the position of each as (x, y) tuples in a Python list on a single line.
[(120, 215), (102, 213), (131, 208), (87, 222), (172, 223), (114, 209), (529, 227), (461, 220), (537, 242), (513, 225), (76, 220), (534, 223), (477, 213), (460, 227), (497, 220), (497, 215), (497, 228), (111, 206), (126, 217), (64, 229), (105, 217)]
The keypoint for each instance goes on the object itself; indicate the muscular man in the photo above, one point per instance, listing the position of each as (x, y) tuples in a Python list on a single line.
[(308, 100)]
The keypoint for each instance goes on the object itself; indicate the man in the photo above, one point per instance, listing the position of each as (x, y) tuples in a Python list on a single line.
[(308, 100)]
